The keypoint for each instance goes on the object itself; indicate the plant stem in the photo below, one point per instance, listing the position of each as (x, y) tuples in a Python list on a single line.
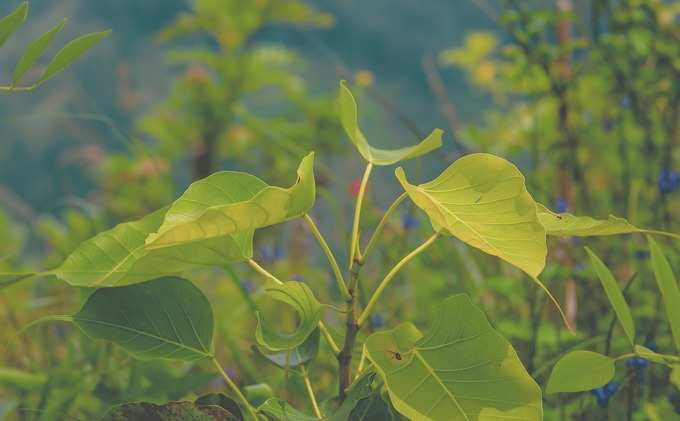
[(329, 255), (390, 276), (310, 392), (17, 88), (324, 330), (354, 251), (235, 389), (351, 330), (381, 225)]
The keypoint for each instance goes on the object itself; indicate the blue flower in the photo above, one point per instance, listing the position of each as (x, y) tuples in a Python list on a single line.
[(561, 205), (377, 321), (408, 221), (641, 254), (611, 388), (669, 181), (640, 365)]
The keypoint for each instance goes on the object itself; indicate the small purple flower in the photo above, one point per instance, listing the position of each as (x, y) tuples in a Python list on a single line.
[(377, 321), (561, 205), (408, 221), (669, 181), (248, 285), (271, 253)]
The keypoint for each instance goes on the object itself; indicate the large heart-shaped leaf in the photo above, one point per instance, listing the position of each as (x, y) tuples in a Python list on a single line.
[(10, 23), (668, 286), (349, 119), (580, 371), (218, 206), (171, 411), (164, 318), (568, 225), (482, 200), (118, 256), (462, 370), (616, 298), (302, 300), (70, 53), (34, 51)]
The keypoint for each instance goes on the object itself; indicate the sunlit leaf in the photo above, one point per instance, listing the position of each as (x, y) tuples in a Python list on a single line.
[(34, 51), (119, 257), (349, 119), (172, 411), (71, 52), (579, 371), (482, 200), (568, 225), (208, 209), (461, 370), (298, 296), (668, 286), (616, 298), (164, 318), (11, 22)]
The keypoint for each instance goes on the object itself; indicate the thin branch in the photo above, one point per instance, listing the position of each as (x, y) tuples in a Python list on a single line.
[(329, 255)]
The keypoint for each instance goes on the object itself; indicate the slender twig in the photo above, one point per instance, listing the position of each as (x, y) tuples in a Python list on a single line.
[(390, 276), (235, 389), (327, 335), (310, 392), (329, 255), (381, 225), (354, 251), (17, 88)]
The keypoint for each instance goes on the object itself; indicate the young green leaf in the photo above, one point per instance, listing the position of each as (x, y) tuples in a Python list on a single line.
[(11, 22), (463, 369), (145, 411), (280, 410), (579, 371), (218, 206), (34, 51), (164, 318), (70, 53), (568, 225), (300, 298), (616, 298), (482, 200), (668, 286), (118, 256), (349, 120)]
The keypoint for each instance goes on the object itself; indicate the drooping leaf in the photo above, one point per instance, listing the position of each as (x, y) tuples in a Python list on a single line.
[(462, 369), (221, 400), (349, 120), (172, 411), (616, 298), (568, 225), (668, 286), (482, 200), (165, 318), (280, 410), (119, 257), (34, 51), (655, 357), (208, 209), (299, 356), (579, 371), (298, 296), (71, 52), (11, 22), (360, 391)]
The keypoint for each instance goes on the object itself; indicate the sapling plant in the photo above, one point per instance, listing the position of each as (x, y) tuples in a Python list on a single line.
[(461, 368)]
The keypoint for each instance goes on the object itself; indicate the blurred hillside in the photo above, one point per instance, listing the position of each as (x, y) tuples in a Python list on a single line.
[(53, 137)]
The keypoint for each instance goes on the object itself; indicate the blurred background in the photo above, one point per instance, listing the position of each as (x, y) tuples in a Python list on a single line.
[(583, 96)]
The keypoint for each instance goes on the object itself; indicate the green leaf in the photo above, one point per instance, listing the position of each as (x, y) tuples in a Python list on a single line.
[(360, 391), (462, 369), (568, 225), (221, 400), (34, 51), (299, 356), (618, 302), (579, 371), (482, 200), (655, 357), (171, 411), (668, 286), (12, 378), (164, 318), (300, 298), (11, 22), (281, 410), (349, 119), (119, 257), (218, 206), (71, 52)]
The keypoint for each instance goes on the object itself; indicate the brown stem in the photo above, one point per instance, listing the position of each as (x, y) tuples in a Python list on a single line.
[(352, 329)]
